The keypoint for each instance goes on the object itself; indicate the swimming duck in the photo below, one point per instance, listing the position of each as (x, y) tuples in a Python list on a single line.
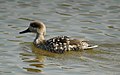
[(59, 44)]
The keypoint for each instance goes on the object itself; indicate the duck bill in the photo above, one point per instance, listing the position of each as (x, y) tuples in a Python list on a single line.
[(25, 31)]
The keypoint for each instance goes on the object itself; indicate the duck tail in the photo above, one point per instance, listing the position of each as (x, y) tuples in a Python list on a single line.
[(91, 47)]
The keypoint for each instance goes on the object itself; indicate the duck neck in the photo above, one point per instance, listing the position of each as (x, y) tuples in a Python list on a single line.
[(39, 39)]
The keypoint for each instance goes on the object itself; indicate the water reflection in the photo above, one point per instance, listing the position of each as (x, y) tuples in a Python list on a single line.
[(35, 62), (37, 58)]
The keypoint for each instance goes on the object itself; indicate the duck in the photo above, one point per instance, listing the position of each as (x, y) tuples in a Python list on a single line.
[(58, 44)]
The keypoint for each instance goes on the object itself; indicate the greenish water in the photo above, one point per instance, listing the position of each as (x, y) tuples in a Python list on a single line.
[(95, 20)]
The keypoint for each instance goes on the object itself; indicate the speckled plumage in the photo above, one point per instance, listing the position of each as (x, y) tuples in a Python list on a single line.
[(58, 44), (61, 44)]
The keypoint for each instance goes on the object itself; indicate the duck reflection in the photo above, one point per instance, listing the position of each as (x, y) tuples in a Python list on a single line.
[(38, 59), (29, 56)]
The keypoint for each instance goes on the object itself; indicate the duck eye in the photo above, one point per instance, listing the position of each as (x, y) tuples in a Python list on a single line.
[(33, 25)]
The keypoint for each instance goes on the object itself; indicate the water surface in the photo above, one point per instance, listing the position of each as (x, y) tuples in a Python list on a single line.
[(95, 20)]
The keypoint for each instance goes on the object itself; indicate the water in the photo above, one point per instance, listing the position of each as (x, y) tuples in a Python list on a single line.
[(95, 20)]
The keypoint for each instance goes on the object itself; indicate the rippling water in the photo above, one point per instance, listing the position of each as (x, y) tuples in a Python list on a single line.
[(95, 20)]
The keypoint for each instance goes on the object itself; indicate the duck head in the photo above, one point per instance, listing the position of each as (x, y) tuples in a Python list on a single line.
[(35, 27)]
